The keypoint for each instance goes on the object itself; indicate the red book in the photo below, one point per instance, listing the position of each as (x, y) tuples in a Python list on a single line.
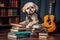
[(3, 11), (14, 3)]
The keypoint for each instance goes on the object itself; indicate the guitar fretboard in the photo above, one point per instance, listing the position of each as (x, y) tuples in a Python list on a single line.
[(50, 9)]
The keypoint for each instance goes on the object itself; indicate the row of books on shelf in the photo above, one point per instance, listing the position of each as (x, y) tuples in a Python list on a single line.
[(12, 3), (8, 21), (9, 12), (14, 18)]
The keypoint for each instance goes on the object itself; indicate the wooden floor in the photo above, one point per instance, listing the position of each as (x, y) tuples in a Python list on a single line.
[(50, 37), (54, 37)]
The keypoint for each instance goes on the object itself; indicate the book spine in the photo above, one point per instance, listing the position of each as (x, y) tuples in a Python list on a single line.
[(10, 12), (1, 4), (14, 3), (3, 12)]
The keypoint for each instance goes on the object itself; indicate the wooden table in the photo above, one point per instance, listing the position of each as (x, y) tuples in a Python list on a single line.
[(28, 39), (4, 29)]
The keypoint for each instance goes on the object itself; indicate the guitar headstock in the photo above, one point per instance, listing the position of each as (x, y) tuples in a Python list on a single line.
[(52, 1)]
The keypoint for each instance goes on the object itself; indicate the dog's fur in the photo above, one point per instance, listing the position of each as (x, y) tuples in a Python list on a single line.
[(31, 8)]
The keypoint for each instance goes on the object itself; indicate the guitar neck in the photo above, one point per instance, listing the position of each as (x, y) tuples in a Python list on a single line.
[(50, 7)]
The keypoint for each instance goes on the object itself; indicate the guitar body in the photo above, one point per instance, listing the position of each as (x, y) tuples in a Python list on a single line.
[(49, 25)]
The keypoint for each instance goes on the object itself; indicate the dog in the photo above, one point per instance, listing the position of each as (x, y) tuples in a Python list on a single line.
[(31, 8)]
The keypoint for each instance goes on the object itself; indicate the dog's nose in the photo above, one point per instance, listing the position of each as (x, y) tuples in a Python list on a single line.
[(30, 9)]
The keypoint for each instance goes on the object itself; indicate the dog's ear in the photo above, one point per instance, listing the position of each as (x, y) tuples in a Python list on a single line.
[(23, 9), (36, 7)]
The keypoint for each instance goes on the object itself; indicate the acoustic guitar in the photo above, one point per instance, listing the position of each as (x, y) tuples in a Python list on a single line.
[(49, 19)]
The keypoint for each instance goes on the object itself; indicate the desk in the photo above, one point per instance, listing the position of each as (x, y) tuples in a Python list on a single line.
[(4, 29), (28, 39)]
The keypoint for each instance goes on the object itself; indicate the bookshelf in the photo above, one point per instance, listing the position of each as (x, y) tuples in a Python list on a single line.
[(9, 13), (11, 10)]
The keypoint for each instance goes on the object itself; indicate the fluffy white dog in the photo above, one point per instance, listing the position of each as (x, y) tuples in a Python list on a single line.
[(31, 8)]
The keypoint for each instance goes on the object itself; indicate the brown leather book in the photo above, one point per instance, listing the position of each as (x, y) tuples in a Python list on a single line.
[(10, 12)]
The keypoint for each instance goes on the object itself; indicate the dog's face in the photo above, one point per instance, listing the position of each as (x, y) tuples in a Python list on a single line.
[(30, 10)]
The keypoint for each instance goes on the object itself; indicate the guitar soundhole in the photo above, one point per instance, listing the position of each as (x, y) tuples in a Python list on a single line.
[(49, 21)]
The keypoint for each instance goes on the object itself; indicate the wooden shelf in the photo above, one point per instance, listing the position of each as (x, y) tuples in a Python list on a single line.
[(5, 26), (9, 7), (9, 16)]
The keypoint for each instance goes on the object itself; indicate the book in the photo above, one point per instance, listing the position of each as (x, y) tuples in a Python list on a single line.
[(10, 12), (12, 36), (14, 3), (3, 12), (1, 4)]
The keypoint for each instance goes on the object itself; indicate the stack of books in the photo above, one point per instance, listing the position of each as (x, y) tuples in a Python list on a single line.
[(12, 36), (18, 29), (14, 29), (43, 36)]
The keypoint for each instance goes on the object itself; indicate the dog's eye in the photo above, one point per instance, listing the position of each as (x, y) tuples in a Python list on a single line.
[(32, 7), (27, 8)]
